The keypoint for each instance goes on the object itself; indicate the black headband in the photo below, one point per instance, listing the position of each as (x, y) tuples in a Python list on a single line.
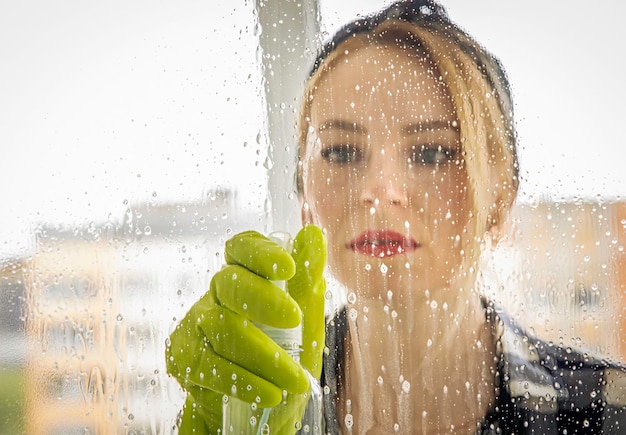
[(413, 11)]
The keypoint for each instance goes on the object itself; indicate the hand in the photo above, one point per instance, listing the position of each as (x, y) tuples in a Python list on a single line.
[(216, 349)]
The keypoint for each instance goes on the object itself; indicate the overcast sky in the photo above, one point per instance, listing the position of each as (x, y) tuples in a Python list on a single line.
[(109, 103)]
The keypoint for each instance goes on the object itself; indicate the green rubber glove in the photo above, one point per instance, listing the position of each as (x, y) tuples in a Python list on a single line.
[(216, 350)]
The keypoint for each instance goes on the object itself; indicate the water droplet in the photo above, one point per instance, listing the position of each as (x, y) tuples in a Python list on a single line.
[(383, 268), (429, 342), (349, 421), (131, 417), (353, 314), (119, 318), (380, 380), (352, 297), (433, 305), (406, 386)]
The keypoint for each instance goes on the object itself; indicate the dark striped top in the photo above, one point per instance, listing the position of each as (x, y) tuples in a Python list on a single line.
[(542, 388)]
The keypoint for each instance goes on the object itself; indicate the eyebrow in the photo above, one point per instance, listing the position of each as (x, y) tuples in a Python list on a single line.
[(412, 128), (433, 125), (340, 124)]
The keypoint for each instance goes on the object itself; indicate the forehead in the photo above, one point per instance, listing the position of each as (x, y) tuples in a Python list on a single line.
[(381, 78)]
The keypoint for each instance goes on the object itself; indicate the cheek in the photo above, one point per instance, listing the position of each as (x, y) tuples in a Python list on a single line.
[(329, 192), (443, 203)]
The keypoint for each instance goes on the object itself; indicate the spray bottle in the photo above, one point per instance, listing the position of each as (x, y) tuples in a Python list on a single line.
[(241, 418)]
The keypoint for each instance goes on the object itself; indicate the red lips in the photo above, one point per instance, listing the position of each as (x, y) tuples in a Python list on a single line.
[(382, 243)]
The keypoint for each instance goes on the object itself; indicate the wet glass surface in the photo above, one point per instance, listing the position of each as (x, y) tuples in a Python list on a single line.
[(138, 138)]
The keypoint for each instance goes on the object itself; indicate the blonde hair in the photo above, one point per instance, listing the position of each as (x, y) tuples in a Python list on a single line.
[(481, 98)]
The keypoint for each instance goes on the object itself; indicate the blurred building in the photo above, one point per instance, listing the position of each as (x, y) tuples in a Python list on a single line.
[(562, 273), (618, 274), (102, 300), (12, 271)]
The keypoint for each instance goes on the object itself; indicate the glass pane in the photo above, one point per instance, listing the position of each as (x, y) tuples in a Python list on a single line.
[(555, 268), (138, 137), (135, 145), (561, 270)]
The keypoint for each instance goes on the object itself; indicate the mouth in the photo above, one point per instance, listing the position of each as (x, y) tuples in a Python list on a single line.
[(382, 243)]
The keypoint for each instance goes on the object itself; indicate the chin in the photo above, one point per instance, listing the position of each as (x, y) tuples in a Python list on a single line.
[(376, 277)]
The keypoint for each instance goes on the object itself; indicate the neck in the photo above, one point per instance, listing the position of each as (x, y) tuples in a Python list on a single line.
[(426, 365)]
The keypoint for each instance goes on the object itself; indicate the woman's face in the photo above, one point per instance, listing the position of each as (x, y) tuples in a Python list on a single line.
[(384, 175)]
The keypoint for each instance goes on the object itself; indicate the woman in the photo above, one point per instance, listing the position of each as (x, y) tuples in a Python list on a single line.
[(408, 164)]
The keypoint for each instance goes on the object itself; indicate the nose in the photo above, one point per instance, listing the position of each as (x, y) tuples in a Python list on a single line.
[(383, 183)]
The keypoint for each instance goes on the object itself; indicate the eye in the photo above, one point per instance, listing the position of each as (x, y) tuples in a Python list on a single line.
[(341, 154), (431, 155)]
